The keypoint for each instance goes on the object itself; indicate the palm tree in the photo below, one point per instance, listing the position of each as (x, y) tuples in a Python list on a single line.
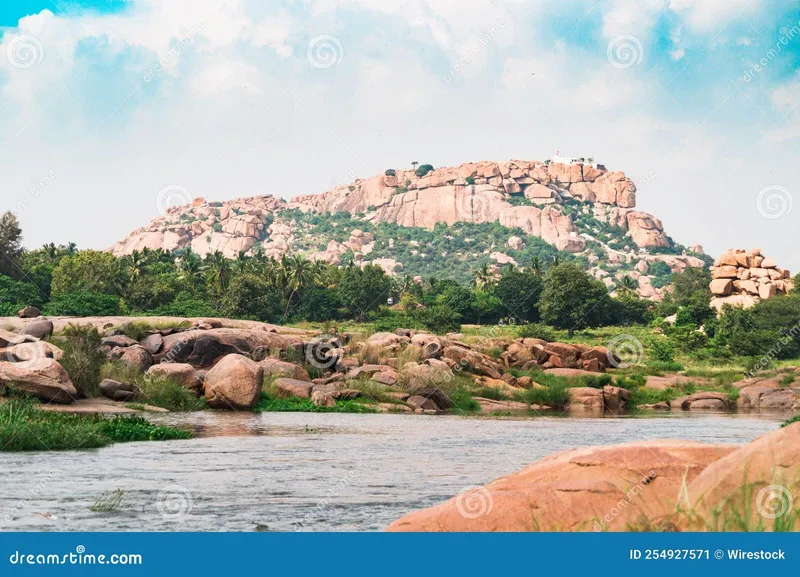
[(190, 268), (134, 264), (51, 250), (626, 287), (219, 269), (71, 248), (484, 278)]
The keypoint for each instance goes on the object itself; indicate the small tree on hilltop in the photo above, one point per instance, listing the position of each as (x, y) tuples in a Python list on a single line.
[(572, 299)]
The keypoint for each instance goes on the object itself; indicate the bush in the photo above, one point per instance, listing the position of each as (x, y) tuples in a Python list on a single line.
[(438, 319), (469, 180), (537, 331), (83, 304), (83, 357), (156, 391), (423, 169), (662, 350), (390, 172)]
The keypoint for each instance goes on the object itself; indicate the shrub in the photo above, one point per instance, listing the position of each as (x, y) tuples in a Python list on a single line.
[(156, 391), (390, 172), (469, 180), (439, 319), (537, 331), (662, 350), (423, 169), (83, 357)]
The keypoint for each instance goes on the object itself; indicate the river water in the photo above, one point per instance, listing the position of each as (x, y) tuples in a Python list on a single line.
[(307, 471)]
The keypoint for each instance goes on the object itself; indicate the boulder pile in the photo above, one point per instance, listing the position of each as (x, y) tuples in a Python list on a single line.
[(744, 277)]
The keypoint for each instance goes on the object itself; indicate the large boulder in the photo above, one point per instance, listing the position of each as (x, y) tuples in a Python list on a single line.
[(589, 489), (234, 383), (136, 357), (293, 388), (29, 313), (430, 372), (755, 485), (183, 374), (279, 368), (202, 348), (39, 329), (472, 361), (44, 378), (117, 391)]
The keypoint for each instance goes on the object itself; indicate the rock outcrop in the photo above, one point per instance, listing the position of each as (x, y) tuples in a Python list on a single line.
[(515, 193), (234, 383), (745, 277)]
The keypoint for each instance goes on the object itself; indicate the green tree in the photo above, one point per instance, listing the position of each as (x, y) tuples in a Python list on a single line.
[(519, 292), (82, 304), (251, 297), (572, 299), (10, 245), (87, 271), (362, 290)]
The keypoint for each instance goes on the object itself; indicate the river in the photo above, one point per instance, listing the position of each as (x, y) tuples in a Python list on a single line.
[(309, 471)]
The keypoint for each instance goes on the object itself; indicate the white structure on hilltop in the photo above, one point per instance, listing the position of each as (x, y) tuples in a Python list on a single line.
[(568, 160)]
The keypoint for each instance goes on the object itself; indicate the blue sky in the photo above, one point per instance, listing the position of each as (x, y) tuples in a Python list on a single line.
[(696, 100)]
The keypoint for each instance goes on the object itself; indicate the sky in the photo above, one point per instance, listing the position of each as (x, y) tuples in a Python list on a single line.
[(104, 105)]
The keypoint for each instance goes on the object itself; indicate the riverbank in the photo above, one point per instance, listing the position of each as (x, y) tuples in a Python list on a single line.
[(178, 364)]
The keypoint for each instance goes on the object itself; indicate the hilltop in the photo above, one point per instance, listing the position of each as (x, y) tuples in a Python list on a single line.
[(445, 222)]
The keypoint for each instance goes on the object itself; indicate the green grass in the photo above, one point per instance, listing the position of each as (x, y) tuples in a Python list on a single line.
[(157, 391), (108, 501), (24, 427), (137, 330), (553, 395), (296, 405)]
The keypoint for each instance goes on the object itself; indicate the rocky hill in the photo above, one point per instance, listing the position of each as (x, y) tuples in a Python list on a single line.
[(445, 221)]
